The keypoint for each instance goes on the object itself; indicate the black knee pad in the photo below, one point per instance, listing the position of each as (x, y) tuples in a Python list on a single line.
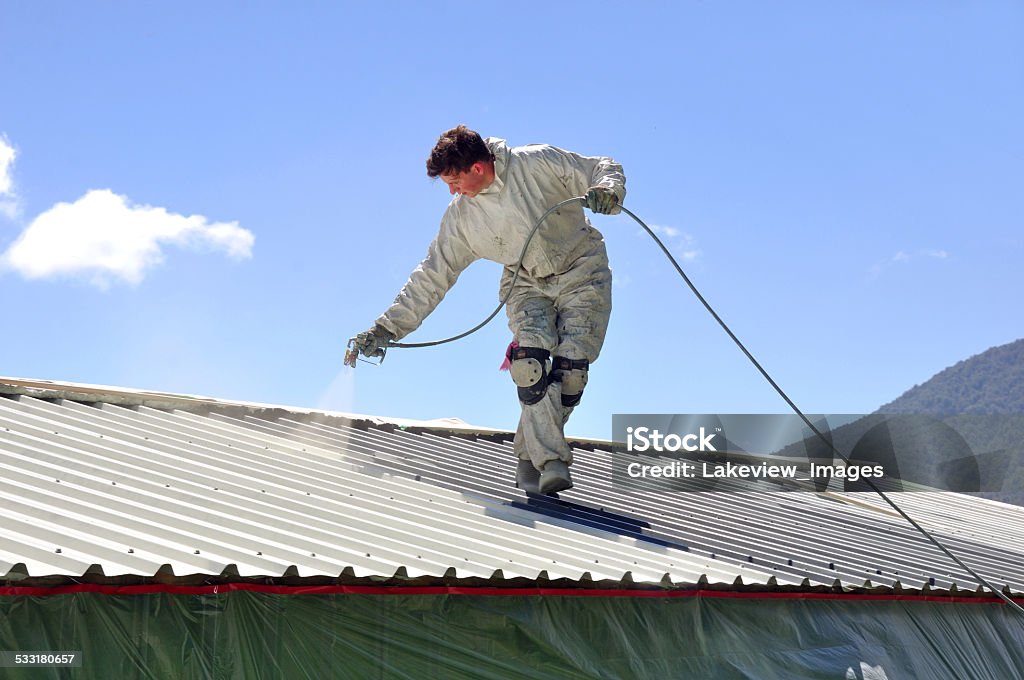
[(529, 371), (572, 373)]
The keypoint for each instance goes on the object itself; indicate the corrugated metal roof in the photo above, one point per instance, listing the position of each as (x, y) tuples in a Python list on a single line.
[(98, 477)]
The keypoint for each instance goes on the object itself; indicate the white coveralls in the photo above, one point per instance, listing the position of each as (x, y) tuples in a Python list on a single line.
[(562, 298)]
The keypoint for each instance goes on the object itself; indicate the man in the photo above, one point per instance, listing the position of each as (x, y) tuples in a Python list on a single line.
[(559, 306)]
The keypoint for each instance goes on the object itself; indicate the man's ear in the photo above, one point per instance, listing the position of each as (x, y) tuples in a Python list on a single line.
[(478, 168)]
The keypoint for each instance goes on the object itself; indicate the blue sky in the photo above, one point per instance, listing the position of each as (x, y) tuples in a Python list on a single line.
[(210, 198)]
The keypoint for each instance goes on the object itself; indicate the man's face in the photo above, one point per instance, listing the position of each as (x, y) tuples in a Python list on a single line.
[(468, 183)]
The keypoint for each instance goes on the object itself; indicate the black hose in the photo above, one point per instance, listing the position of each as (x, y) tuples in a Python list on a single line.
[(504, 299), (924, 532)]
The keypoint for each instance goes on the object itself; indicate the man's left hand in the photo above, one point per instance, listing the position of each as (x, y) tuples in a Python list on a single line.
[(602, 200)]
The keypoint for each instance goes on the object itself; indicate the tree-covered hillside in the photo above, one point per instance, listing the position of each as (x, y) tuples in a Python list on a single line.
[(991, 382), (962, 430)]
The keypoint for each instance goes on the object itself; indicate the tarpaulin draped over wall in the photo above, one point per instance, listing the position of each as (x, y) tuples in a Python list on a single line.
[(376, 635)]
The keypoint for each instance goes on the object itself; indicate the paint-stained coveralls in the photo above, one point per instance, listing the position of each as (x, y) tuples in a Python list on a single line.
[(562, 298)]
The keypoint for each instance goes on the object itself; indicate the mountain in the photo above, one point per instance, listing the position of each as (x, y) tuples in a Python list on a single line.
[(982, 400), (962, 430), (991, 383)]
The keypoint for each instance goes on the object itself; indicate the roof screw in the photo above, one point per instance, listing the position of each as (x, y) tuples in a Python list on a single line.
[(312, 554), (259, 552), (131, 551), (831, 565), (196, 552), (58, 551)]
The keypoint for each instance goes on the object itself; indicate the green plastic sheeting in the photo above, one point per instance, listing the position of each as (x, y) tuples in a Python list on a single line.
[(245, 634)]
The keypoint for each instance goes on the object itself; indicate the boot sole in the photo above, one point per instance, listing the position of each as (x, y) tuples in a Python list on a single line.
[(557, 484)]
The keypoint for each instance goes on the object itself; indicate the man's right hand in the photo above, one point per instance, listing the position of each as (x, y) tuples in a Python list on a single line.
[(373, 342)]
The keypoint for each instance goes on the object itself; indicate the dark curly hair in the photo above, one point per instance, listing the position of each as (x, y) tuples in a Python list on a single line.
[(456, 151)]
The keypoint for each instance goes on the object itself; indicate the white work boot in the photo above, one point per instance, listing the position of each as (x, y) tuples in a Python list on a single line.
[(554, 477), (527, 476)]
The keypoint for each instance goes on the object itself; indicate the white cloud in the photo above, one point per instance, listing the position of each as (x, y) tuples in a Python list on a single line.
[(7, 156), (8, 208), (8, 200), (903, 257), (681, 240), (670, 232), (105, 238)]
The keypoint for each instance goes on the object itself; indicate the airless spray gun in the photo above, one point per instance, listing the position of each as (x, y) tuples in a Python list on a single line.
[(352, 354)]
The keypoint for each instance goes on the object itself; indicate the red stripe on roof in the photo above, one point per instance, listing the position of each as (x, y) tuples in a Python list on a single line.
[(20, 591)]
